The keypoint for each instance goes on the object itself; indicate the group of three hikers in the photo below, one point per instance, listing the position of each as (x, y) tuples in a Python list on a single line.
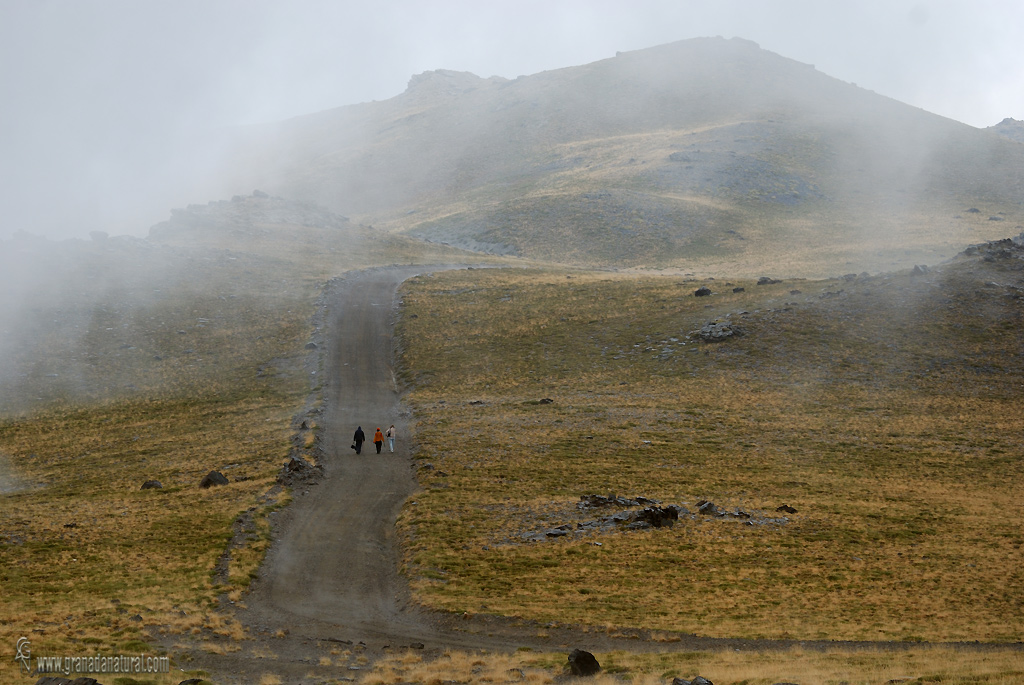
[(378, 439)]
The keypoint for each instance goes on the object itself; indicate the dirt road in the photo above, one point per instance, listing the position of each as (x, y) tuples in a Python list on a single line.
[(329, 590), (329, 598), (333, 569)]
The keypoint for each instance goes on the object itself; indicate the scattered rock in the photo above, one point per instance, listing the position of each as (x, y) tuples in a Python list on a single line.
[(659, 517), (590, 501), (718, 331), (546, 400), (296, 464), (785, 508), (706, 508), (765, 280), (152, 485), (583, 663), (651, 516), (298, 471), (702, 291), (919, 270), (739, 289), (697, 680), (213, 478)]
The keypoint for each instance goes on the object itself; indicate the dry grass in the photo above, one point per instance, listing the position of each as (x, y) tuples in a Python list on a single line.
[(454, 666), (854, 409), (73, 576), (916, 666), (156, 361), (753, 194)]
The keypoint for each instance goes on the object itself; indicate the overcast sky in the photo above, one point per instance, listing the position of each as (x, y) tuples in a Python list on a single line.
[(96, 96)]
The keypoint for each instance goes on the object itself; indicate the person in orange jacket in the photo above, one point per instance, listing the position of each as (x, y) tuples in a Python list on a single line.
[(378, 440)]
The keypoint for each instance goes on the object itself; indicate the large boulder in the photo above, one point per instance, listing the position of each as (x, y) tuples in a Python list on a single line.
[(213, 478), (583, 663)]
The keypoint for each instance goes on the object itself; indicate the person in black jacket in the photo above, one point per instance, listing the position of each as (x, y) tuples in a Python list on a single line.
[(358, 439)]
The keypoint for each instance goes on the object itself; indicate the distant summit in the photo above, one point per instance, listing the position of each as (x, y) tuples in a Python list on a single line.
[(708, 150), (447, 82), (1009, 128)]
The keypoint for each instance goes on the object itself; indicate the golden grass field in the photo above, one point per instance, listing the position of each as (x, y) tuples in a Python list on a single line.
[(892, 428), (831, 667), (898, 444), (189, 362)]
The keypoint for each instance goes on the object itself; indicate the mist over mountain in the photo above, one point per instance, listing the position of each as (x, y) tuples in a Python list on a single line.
[(707, 148), (1010, 128)]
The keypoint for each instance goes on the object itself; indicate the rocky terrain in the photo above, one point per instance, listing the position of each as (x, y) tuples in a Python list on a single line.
[(706, 152)]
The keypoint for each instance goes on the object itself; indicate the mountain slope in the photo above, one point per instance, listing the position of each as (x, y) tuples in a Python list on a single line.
[(706, 153)]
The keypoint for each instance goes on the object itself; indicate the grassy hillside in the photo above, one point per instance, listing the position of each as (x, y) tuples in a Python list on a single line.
[(883, 410), (130, 360), (707, 155)]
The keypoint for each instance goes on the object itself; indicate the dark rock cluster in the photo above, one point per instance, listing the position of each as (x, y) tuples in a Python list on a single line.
[(650, 515)]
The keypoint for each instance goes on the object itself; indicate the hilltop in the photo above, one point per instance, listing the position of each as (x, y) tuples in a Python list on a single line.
[(708, 154), (1010, 128)]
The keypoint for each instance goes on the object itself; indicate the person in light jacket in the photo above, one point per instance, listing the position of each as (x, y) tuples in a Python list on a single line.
[(391, 437)]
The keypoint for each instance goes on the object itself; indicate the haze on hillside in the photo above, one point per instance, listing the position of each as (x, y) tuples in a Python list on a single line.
[(113, 111), (706, 149), (709, 156)]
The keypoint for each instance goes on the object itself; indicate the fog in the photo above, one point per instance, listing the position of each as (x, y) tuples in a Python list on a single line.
[(113, 111)]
